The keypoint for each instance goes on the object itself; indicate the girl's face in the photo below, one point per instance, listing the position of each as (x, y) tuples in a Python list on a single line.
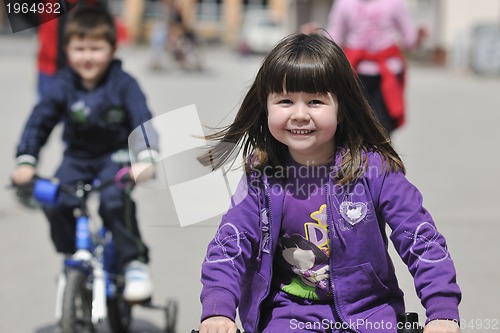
[(305, 123)]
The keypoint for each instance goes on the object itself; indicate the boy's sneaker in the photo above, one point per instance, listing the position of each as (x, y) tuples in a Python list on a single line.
[(138, 285)]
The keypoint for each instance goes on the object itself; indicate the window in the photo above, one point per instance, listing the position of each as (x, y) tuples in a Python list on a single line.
[(209, 10), (251, 4)]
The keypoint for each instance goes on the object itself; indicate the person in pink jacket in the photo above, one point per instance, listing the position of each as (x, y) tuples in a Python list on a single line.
[(373, 34)]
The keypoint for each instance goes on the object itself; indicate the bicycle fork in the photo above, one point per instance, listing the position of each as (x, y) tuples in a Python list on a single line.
[(86, 262)]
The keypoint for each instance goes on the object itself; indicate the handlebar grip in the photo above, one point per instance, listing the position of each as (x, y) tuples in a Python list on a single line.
[(46, 191), (123, 177), (408, 323)]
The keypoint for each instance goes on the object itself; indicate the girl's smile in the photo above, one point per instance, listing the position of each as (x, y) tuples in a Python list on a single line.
[(305, 123), (300, 132)]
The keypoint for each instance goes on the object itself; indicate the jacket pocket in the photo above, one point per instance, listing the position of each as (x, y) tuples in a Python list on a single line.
[(359, 291), (253, 291)]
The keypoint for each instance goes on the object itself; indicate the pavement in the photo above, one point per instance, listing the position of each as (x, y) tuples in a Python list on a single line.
[(448, 144)]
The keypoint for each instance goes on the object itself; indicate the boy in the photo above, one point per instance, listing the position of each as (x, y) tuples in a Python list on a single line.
[(99, 105)]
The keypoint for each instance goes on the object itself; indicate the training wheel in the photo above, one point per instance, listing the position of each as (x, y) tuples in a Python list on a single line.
[(171, 309)]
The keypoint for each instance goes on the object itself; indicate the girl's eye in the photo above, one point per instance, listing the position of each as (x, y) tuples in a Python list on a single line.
[(316, 102), (285, 101)]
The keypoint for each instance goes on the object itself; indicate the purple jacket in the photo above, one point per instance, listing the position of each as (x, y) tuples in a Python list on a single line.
[(238, 266)]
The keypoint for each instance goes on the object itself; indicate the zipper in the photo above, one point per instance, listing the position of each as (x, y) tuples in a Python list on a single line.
[(268, 288), (263, 245), (329, 217)]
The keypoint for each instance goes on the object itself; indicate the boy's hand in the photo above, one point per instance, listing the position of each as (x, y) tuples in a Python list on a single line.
[(442, 326), (218, 324), (142, 171), (23, 174)]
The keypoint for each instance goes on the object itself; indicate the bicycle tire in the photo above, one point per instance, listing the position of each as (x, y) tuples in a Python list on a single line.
[(171, 312), (77, 304), (119, 314)]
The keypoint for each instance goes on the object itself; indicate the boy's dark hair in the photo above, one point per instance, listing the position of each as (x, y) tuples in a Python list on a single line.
[(90, 21), (312, 64)]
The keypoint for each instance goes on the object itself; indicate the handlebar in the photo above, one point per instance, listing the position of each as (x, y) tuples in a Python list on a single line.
[(408, 323), (46, 190)]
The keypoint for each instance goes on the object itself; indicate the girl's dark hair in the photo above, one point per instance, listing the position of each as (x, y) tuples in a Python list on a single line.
[(90, 21), (312, 64)]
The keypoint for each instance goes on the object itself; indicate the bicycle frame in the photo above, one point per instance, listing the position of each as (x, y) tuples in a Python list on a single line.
[(94, 252), (93, 264)]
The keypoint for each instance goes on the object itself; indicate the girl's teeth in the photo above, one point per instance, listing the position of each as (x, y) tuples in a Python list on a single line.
[(300, 131)]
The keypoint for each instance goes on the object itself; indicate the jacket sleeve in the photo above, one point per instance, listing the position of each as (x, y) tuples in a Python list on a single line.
[(144, 140), (337, 22), (230, 252), (405, 25), (44, 117), (420, 245)]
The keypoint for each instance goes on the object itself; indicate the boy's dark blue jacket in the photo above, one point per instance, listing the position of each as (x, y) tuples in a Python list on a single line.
[(96, 122)]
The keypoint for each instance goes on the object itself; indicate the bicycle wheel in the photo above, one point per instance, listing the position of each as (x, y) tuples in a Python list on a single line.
[(77, 304), (119, 314)]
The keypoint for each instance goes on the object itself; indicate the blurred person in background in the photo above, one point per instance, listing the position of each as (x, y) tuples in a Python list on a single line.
[(172, 34), (374, 34), (99, 105), (51, 56)]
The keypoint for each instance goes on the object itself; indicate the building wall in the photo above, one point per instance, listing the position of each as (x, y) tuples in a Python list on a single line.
[(227, 27), (304, 11), (461, 16)]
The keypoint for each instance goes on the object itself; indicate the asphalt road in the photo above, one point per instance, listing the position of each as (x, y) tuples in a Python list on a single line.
[(449, 145)]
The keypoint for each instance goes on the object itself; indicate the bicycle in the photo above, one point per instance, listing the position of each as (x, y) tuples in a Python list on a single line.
[(90, 287)]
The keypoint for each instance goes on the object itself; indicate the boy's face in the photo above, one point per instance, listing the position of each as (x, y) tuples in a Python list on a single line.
[(89, 58)]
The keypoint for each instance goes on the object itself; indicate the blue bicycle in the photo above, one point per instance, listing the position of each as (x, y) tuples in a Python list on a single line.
[(90, 287)]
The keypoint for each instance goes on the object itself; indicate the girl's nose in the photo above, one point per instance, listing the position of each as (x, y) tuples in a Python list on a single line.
[(300, 113)]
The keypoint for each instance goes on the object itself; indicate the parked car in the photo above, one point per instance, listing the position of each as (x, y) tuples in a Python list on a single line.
[(260, 31)]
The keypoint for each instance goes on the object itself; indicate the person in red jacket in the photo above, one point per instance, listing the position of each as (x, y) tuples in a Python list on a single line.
[(373, 34)]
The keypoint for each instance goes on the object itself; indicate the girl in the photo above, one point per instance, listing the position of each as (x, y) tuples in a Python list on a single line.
[(319, 166)]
